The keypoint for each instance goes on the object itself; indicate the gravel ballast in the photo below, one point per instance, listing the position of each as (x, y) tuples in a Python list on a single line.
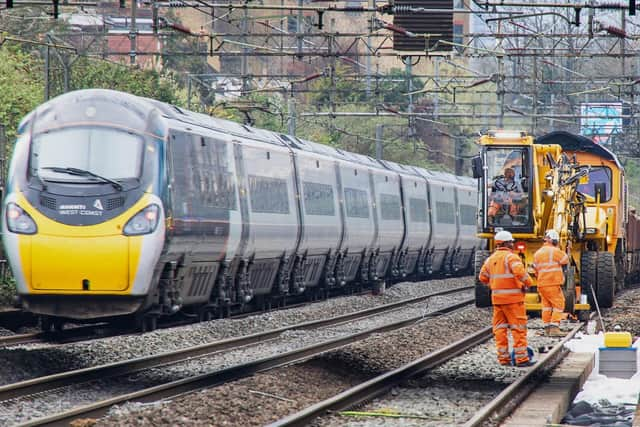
[(24, 409), (246, 408), (29, 361)]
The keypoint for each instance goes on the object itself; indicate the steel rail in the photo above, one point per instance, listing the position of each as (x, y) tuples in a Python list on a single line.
[(509, 398), (9, 340), (381, 384), (42, 384), (78, 333), (210, 379)]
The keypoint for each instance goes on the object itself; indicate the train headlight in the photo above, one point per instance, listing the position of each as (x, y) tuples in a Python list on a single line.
[(18, 221), (144, 222)]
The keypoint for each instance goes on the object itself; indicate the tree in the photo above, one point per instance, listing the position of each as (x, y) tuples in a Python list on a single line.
[(21, 87), (88, 73)]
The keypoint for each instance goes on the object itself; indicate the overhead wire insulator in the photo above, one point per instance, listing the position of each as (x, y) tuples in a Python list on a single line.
[(179, 27), (402, 9), (399, 30), (311, 77), (615, 31)]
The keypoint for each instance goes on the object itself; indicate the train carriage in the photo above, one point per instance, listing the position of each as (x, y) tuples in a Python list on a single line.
[(120, 207)]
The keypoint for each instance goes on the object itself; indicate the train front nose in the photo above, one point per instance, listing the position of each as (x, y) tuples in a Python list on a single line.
[(80, 263)]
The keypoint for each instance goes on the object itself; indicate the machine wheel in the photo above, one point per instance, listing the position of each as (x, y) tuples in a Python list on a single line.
[(606, 279), (588, 269), (483, 293), (569, 290)]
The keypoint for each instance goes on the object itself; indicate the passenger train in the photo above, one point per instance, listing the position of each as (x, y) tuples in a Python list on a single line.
[(121, 207)]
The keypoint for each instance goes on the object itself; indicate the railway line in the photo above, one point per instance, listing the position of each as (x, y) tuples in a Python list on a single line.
[(101, 330), (406, 310), (494, 410)]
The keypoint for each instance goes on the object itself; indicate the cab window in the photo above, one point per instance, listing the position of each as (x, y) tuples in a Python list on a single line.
[(506, 187), (597, 175)]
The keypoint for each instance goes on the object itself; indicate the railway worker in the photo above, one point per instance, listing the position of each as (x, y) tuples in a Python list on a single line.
[(547, 263), (504, 272)]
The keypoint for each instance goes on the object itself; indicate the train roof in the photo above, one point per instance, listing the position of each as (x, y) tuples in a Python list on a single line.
[(572, 142)]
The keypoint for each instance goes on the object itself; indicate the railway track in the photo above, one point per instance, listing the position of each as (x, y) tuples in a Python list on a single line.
[(103, 330), (505, 402), (174, 388), (496, 409)]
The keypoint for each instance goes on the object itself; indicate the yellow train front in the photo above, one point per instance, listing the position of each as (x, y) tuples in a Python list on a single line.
[(83, 221)]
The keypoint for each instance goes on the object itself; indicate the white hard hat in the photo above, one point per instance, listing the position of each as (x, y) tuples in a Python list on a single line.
[(552, 235), (503, 236)]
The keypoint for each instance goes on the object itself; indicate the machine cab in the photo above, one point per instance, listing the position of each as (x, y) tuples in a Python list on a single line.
[(504, 184)]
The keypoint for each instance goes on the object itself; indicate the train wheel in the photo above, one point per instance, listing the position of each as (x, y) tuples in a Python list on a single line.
[(483, 293), (570, 291), (148, 323), (46, 324), (606, 279), (58, 325), (588, 269)]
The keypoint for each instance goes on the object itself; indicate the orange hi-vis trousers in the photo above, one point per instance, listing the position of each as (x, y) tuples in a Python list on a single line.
[(510, 317), (552, 305)]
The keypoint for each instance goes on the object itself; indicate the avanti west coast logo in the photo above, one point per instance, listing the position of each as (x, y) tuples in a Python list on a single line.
[(80, 209)]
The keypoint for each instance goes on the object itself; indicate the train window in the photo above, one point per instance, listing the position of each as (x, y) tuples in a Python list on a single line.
[(356, 202), (467, 215), (417, 210), (597, 175), (390, 206), (445, 213), (268, 195), (318, 199), (202, 177)]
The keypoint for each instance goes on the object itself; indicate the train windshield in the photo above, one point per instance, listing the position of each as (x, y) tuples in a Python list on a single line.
[(507, 194), (109, 153)]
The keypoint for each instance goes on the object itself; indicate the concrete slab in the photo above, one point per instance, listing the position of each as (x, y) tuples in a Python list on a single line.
[(548, 403)]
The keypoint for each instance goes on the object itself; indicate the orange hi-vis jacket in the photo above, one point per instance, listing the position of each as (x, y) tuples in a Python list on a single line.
[(548, 262), (505, 274)]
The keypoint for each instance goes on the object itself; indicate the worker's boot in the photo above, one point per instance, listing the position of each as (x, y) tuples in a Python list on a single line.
[(555, 332)]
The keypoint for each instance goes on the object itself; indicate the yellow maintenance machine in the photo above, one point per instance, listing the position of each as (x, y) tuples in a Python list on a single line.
[(528, 186)]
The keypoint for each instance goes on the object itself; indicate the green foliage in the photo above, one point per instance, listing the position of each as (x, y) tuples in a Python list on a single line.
[(7, 291), (632, 175), (21, 88), (391, 88), (87, 73)]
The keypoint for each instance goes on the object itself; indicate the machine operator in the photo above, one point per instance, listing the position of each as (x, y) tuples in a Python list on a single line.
[(506, 197)]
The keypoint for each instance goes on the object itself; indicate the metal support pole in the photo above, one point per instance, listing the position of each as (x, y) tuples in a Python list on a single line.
[(534, 97), (436, 79), (299, 29), (379, 130), (408, 70), (133, 32), (500, 90), (292, 115), (372, 16), (459, 161), (47, 81), (244, 65), (188, 91)]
